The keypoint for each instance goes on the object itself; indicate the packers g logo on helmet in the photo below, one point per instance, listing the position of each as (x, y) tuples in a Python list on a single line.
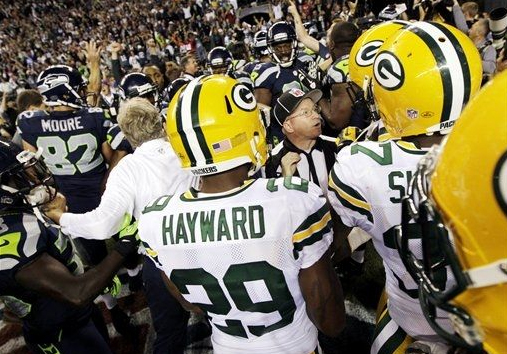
[(424, 74), (214, 125), (364, 50)]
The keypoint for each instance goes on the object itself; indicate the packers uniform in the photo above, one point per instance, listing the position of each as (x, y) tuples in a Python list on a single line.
[(366, 185), (215, 249)]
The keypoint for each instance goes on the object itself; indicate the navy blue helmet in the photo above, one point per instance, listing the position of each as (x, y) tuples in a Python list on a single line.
[(61, 85)]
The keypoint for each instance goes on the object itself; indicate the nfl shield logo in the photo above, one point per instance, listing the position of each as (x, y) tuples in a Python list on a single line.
[(412, 113)]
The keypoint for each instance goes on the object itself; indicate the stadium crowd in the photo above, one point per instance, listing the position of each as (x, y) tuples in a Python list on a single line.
[(104, 101)]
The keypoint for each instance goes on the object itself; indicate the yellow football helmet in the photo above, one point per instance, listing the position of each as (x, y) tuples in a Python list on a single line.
[(468, 193), (214, 125), (423, 75), (362, 54)]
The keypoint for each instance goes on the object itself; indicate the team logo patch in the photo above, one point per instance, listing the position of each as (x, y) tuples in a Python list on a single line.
[(243, 97), (388, 71), (53, 80), (412, 113), (500, 182), (296, 92), (366, 54)]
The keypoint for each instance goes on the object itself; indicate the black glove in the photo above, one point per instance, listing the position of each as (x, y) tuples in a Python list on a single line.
[(311, 83), (129, 240)]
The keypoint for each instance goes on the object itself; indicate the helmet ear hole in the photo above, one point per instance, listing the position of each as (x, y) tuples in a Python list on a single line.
[(228, 105)]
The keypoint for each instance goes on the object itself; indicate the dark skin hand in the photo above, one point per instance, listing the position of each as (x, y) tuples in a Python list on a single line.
[(49, 277), (323, 295)]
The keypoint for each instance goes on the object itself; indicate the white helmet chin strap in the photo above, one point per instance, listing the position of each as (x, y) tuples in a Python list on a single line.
[(489, 274)]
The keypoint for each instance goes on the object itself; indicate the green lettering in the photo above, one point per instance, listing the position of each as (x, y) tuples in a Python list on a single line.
[(191, 219), (398, 187), (167, 228), (386, 159), (256, 216), (181, 233), (158, 204), (289, 183), (207, 231), (238, 222), (223, 228), (271, 185)]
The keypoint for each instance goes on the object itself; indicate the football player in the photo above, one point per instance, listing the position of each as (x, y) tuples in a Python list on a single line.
[(424, 74), (286, 71), (259, 50), (220, 61), (41, 277), (458, 198), (261, 272), (73, 141), (150, 170), (338, 109)]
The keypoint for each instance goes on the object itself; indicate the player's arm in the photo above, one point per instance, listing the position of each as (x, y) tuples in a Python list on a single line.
[(340, 107), (92, 53), (303, 36), (340, 246), (323, 296), (48, 276), (177, 295), (28, 146), (263, 95)]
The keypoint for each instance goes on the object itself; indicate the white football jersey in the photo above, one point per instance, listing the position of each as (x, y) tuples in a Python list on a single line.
[(366, 186), (237, 255)]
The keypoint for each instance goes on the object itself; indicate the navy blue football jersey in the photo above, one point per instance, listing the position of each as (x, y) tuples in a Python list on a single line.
[(71, 140), (278, 79), (117, 139), (23, 238)]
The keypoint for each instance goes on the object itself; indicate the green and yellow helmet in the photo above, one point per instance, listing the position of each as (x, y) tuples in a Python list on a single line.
[(214, 125)]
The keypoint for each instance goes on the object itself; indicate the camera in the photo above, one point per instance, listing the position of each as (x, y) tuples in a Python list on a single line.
[(392, 11)]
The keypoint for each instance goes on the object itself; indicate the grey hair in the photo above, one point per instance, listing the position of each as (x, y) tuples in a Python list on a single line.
[(140, 121)]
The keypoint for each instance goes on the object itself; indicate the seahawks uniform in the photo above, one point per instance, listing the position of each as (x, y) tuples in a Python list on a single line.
[(338, 73), (277, 80), (117, 139), (49, 326), (72, 150), (366, 186), (228, 254), (71, 143)]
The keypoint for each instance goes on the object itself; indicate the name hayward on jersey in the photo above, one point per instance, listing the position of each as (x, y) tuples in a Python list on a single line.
[(23, 238), (366, 186), (71, 140), (227, 254)]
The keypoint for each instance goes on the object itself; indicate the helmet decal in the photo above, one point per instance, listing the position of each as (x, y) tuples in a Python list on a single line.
[(500, 182), (448, 53), (366, 54), (243, 97), (388, 71)]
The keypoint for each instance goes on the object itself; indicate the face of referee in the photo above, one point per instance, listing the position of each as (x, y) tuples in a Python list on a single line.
[(304, 122)]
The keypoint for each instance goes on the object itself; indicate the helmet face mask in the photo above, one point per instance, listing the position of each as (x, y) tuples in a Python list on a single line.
[(25, 178), (282, 43), (438, 255), (457, 202), (214, 125), (61, 85)]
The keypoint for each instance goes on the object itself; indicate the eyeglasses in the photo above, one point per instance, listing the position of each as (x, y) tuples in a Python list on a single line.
[(307, 113)]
